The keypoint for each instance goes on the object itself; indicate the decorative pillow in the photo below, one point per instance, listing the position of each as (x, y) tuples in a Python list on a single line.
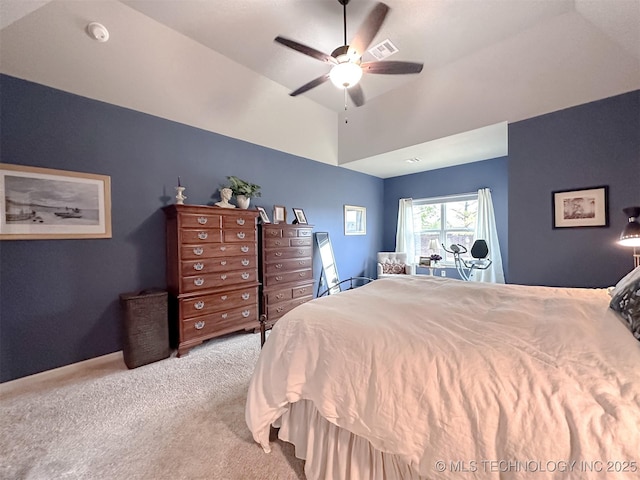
[(629, 278), (627, 303), (395, 268)]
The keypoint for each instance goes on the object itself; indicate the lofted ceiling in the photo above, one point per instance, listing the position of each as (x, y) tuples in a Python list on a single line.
[(213, 64)]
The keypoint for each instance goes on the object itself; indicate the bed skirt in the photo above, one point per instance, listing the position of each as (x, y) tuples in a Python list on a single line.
[(333, 453)]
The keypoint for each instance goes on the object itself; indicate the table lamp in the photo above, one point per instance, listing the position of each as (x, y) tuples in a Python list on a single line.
[(630, 236)]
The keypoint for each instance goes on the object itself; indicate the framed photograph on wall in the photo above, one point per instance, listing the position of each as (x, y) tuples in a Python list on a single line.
[(355, 220), (41, 203), (263, 215), (581, 208), (279, 214), (300, 216)]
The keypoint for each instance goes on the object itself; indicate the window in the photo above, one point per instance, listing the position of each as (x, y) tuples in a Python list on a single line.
[(444, 220)]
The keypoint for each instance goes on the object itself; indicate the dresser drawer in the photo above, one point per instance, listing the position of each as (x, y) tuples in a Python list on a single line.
[(277, 310), (216, 302), (200, 236), (277, 296), (239, 222), (195, 252), (287, 265), (219, 322), (271, 232), (232, 236), (217, 264), (300, 242), (205, 220), (279, 279), (215, 280), (302, 290), (276, 254)]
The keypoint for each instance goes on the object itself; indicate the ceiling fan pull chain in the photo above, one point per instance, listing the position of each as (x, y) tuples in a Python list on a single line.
[(346, 120)]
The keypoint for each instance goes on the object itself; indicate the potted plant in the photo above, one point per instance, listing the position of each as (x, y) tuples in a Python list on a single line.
[(243, 190)]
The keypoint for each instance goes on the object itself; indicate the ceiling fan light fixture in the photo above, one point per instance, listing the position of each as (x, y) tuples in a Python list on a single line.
[(345, 75)]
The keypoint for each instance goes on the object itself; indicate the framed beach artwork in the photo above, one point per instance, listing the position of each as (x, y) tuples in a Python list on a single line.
[(581, 208), (41, 203)]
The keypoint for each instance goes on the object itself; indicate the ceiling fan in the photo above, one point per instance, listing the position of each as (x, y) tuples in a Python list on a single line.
[(346, 61)]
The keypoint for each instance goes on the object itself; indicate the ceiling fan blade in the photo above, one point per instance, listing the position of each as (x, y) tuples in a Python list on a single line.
[(312, 52), (357, 95), (391, 67), (312, 84), (368, 30)]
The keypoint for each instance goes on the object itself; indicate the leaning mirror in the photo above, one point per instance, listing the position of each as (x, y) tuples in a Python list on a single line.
[(329, 268)]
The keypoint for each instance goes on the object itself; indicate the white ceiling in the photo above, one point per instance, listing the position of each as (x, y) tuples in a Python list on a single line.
[(214, 65)]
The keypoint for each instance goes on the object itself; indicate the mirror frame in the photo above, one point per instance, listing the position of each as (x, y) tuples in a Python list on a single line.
[(359, 226)]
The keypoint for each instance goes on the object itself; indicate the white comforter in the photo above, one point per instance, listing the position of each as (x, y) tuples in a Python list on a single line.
[(472, 375)]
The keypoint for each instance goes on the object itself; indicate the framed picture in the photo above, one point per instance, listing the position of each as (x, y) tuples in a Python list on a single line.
[(263, 215), (300, 216), (425, 262), (279, 214), (355, 220), (581, 208), (41, 203)]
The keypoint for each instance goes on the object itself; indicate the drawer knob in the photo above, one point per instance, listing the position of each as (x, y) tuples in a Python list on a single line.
[(278, 278), (240, 221), (245, 296), (245, 275), (203, 235), (223, 248), (278, 242), (198, 251), (199, 325), (246, 313), (280, 309), (202, 220), (198, 282), (302, 290), (240, 235), (300, 252), (302, 262), (245, 262), (280, 295), (223, 262), (303, 274), (198, 266), (224, 297), (199, 305), (224, 315), (244, 249), (278, 265), (223, 276), (278, 254), (273, 233)]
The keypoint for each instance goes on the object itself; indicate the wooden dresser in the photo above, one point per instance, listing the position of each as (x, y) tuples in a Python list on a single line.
[(286, 268), (212, 272)]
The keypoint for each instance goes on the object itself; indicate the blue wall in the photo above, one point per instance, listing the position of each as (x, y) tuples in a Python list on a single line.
[(59, 299), (593, 144), (466, 178)]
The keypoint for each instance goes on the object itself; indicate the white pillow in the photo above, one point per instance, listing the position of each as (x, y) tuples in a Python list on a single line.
[(629, 278)]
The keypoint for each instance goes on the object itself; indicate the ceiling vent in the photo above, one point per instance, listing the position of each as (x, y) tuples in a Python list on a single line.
[(383, 50)]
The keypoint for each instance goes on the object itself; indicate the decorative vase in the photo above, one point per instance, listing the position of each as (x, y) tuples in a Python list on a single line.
[(243, 201)]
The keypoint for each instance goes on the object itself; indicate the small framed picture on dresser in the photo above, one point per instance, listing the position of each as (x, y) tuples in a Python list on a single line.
[(301, 218), (279, 214), (263, 215)]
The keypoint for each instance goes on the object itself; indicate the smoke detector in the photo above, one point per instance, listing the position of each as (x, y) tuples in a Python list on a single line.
[(98, 32)]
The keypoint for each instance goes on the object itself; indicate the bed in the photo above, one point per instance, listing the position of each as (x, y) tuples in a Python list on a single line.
[(427, 377)]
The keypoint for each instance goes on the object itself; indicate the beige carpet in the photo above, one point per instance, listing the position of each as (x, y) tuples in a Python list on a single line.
[(179, 418)]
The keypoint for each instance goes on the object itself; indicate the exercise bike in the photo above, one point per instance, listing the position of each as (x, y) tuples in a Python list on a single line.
[(466, 268)]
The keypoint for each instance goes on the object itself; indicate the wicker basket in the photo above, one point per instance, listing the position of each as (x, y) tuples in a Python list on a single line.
[(145, 329)]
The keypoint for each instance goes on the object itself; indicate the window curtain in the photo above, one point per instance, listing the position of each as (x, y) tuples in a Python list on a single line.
[(486, 230), (404, 235)]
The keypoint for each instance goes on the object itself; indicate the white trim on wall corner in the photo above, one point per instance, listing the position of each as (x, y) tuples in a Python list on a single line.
[(36, 378)]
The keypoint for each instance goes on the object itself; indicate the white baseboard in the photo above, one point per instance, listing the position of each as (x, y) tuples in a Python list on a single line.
[(23, 382)]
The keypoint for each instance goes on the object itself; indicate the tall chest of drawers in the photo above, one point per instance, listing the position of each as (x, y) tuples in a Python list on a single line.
[(212, 272), (286, 268)]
